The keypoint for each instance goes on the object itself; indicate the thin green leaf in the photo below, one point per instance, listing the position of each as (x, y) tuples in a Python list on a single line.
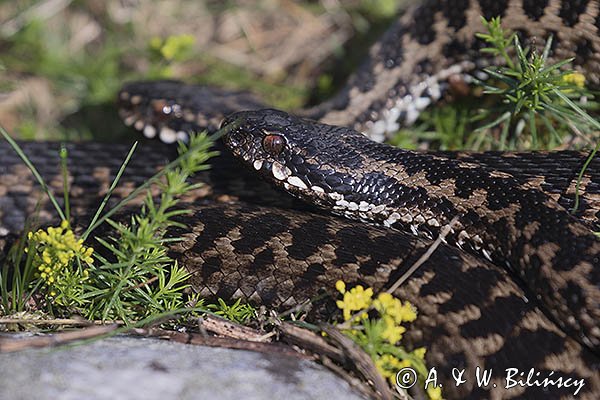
[(110, 191), (33, 170)]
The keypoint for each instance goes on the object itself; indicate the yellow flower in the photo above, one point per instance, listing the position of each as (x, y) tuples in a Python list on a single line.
[(388, 366), (388, 305), (392, 332), (385, 299), (575, 78), (156, 43), (174, 46), (434, 393), (392, 313), (355, 299), (55, 249), (407, 312), (386, 363), (420, 352)]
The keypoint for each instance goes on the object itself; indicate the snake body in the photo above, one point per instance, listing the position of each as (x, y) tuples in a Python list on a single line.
[(527, 296), (345, 172), (471, 313)]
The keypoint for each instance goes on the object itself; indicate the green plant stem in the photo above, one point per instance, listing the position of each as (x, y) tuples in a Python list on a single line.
[(65, 175)]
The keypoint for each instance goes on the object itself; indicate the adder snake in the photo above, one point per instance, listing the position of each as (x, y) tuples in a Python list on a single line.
[(523, 293)]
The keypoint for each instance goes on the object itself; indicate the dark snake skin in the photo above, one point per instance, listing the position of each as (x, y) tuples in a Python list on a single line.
[(555, 173), (472, 312), (344, 172), (476, 317)]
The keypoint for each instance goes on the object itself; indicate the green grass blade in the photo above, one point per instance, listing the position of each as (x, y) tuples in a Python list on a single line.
[(65, 174), (502, 118), (533, 129), (547, 48), (577, 109), (110, 191), (33, 170), (556, 66), (150, 182), (580, 176)]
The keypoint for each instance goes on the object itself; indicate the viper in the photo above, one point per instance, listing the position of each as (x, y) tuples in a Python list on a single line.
[(517, 283)]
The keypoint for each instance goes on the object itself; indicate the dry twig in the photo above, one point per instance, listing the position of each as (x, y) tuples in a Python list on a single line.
[(57, 339)]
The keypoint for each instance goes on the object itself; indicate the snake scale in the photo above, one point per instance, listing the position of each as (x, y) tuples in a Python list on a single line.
[(517, 285)]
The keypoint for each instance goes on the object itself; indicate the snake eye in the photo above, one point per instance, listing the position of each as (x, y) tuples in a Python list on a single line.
[(273, 144)]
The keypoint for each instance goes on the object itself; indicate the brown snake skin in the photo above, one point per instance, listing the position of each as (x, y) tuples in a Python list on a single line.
[(471, 312), (280, 257)]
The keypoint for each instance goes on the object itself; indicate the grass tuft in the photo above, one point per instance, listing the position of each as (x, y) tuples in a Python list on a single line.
[(132, 278)]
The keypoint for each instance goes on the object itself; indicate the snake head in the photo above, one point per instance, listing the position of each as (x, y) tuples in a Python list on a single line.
[(284, 149), (263, 140)]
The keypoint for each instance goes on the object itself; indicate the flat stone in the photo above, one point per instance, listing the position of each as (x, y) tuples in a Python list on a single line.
[(151, 369)]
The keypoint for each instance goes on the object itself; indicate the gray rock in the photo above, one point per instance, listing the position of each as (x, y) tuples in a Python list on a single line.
[(151, 369)]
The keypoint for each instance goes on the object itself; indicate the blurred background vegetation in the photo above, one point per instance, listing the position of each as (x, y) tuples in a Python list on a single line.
[(63, 61)]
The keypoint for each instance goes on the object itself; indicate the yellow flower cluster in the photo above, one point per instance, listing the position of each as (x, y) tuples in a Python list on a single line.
[(434, 393), (55, 248), (388, 366), (575, 78), (355, 299), (388, 305), (393, 312), (173, 47)]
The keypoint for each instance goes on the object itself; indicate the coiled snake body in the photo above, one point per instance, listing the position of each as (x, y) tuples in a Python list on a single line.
[(525, 290)]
